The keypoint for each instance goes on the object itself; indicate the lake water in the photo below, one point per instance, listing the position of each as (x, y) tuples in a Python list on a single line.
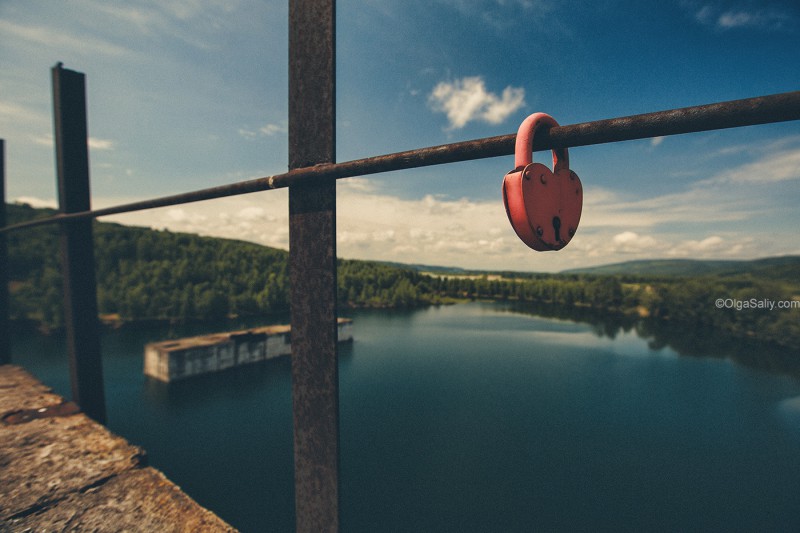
[(476, 417)]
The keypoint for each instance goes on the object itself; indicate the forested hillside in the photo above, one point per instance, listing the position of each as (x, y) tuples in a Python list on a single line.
[(157, 275), (144, 274), (781, 267)]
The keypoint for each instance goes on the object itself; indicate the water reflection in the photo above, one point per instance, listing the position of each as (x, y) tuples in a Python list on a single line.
[(789, 410), (237, 382), (204, 390), (685, 341)]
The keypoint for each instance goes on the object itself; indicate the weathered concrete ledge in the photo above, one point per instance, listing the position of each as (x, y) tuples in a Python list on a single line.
[(61, 471)]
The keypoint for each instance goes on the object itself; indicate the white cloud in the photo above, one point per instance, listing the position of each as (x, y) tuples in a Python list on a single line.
[(273, 129), (356, 184), (267, 130), (53, 38), (189, 21), (631, 242), (729, 197), (20, 114), (426, 230), (94, 142), (137, 18), (100, 144), (733, 19), (502, 14), (42, 140), (760, 19), (260, 217), (776, 166), (181, 215), (655, 141), (467, 100), (252, 213), (713, 245), (705, 15), (34, 201), (609, 210), (764, 19)]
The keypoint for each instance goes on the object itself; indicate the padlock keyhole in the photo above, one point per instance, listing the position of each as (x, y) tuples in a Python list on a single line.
[(557, 227)]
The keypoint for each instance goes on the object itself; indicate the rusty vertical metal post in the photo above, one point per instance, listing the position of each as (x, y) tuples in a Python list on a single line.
[(5, 342), (312, 255), (77, 246)]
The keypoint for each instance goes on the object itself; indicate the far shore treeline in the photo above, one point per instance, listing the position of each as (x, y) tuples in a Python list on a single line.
[(145, 274)]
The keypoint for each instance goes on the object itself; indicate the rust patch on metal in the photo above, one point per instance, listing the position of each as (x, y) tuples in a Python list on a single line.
[(23, 416)]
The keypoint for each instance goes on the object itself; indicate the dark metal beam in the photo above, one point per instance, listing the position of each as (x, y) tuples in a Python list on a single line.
[(5, 342), (748, 112), (312, 257), (77, 245)]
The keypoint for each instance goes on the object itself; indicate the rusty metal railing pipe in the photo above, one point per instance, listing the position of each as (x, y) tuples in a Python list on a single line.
[(732, 114)]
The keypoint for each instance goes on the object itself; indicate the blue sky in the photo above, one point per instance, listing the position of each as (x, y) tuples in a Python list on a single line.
[(192, 94)]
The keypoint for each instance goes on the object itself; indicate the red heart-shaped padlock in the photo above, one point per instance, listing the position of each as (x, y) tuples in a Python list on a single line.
[(544, 207)]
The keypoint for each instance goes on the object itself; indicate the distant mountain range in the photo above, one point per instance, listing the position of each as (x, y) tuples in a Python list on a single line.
[(432, 269), (784, 267)]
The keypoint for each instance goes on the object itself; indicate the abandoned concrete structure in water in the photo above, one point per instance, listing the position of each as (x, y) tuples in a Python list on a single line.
[(182, 358)]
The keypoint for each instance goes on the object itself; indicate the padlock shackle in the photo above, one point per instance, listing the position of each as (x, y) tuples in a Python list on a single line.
[(523, 147)]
